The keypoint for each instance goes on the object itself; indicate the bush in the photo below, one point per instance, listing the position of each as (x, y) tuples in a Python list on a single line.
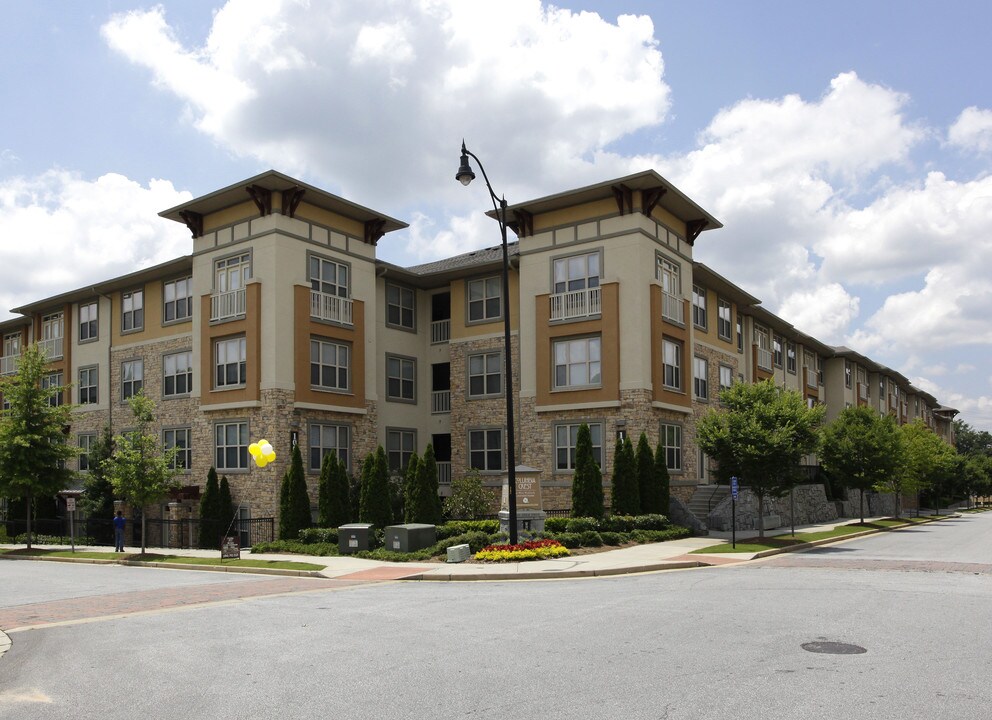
[(297, 547), (310, 536), (675, 532), (556, 524), (591, 538), (580, 525), (475, 540), (612, 538), (651, 522), (569, 540), (616, 524), (460, 527)]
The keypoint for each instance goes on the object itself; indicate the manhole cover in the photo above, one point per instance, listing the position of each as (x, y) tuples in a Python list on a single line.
[(833, 648)]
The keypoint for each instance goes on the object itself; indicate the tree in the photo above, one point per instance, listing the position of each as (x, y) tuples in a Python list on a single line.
[(428, 478), (33, 447), (625, 498), (333, 502), (210, 512), (663, 480), (98, 493), (226, 505), (760, 436), (468, 499), (927, 460), (587, 482), (970, 441), (140, 469), (647, 482), (862, 449), (375, 506), (295, 516), (411, 489), (977, 475)]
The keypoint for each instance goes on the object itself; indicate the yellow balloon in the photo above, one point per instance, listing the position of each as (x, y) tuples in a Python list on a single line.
[(261, 462), (270, 457), (262, 442), (254, 449)]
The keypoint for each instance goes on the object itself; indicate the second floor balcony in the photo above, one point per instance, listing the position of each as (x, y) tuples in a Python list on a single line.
[(331, 307), (8, 364), (764, 359), (443, 472), (227, 305), (440, 402), (576, 304), (51, 348), (440, 331), (812, 377), (671, 307)]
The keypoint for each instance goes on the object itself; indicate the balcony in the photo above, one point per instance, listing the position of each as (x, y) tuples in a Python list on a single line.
[(440, 402), (227, 305), (331, 308), (862, 391), (443, 473), (671, 308), (8, 364), (764, 359), (440, 331), (812, 377), (577, 304), (51, 348)]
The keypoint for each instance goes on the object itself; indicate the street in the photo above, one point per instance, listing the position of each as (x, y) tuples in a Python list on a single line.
[(124, 642)]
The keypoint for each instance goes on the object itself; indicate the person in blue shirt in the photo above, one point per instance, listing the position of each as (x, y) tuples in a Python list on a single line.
[(119, 532)]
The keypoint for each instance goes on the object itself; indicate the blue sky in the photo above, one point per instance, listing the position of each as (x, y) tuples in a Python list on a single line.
[(845, 146)]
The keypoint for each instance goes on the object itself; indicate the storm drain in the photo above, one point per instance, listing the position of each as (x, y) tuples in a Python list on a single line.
[(833, 648)]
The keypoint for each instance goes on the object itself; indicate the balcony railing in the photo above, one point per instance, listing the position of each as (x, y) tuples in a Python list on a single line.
[(331, 307), (440, 331), (862, 391), (576, 304), (764, 359), (440, 401), (812, 377), (671, 307), (443, 473), (8, 364), (228, 304), (51, 348)]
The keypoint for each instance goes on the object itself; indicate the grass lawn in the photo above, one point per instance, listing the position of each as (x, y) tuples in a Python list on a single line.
[(156, 557), (753, 545)]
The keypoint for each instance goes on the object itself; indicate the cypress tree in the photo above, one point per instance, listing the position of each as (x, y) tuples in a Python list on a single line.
[(411, 490), (225, 514), (646, 481), (587, 483), (299, 499), (341, 488), (626, 498), (209, 510), (380, 507), (285, 519), (432, 499), (662, 479), (326, 492), (365, 490)]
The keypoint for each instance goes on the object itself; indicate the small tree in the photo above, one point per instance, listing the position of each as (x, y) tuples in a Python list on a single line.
[(760, 436), (411, 489), (647, 482), (862, 449), (297, 499), (226, 505), (375, 505), (625, 499), (587, 482), (140, 469), (341, 486), (428, 479), (663, 480), (326, 492), (285, 513), (926, 461), (210, 512), (468, 499), (33, 447)]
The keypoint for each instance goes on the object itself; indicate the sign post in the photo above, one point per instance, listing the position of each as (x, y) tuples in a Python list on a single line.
[(733, 510), (70, 506)]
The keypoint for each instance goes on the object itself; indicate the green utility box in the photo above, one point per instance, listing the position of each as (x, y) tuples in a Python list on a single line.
[(354, 537), (410, 537)]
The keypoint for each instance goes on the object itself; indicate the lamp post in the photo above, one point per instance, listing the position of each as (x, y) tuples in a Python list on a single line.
[(465, 176)]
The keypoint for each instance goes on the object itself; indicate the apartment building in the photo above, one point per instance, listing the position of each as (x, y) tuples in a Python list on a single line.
[(283, 324)]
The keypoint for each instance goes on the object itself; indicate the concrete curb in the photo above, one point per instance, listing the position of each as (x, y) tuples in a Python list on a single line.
[(171, 566), (432, 576), (852, 536)]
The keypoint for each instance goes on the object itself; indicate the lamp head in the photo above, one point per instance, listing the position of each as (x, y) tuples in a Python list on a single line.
[(464, 174)]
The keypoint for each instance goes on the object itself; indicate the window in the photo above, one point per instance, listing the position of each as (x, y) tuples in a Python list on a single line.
[(790, 357), (400, 378), (328, 277), (88, 385), (484, 377), (577, 362), (400, 445), (700, 381), (699, 307), (726, 377), (87, 322), (485, 450), (579, 272), (400, 307), (232, 273), (326, 439), (847, 374), (671, 443), (181, 438), (132, 310), (672, 364), (723, 324), (86, 443), (231, 445), (177, 374), (777, 351), (485, 299), (740, 335), (566, 437), (12, 345), (132, 377), (178, 300), (329, 365), (668, 273), (53, 380), (230, 362)]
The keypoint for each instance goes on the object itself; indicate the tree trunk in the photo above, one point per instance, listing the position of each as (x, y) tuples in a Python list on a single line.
[(761, 517), (29, 521), (142, 532), (862, 506)]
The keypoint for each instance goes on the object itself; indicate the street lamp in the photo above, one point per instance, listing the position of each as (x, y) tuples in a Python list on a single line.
[(465, 176)]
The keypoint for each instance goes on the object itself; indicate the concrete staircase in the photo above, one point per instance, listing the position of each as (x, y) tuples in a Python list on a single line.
[(707, 497)]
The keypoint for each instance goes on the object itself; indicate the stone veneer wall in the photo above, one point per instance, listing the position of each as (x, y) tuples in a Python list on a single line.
[(811, 507)]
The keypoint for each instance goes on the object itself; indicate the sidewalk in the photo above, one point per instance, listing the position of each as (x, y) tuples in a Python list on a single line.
[(672, 555)]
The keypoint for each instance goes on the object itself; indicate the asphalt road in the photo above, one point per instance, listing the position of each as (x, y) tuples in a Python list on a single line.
[(707, 643)]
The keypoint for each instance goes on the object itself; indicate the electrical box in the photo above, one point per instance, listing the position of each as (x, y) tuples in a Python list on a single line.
[(354, 537), (410, 537), (458, 553)]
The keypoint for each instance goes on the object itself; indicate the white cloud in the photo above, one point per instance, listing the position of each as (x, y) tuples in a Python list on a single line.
[(824, 312), (90, 231), (972, 130)]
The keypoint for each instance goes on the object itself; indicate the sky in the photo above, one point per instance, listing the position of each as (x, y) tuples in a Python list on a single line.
[(845, 146)]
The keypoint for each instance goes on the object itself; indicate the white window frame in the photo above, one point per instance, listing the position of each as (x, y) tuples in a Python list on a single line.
[(576, 272), (223, 359), (225, 449), (318, 346), (177, 295), (699, 307), (481, 293), (790, 357), (132, 378), (724, 323), (726, 377), (671, 364), (91, 372), (565, 439), (700, 377), (485, 368), (671, 442), (56, 380), (85, 442), (133, 310), (317, 269), (89, 326), (177, 366), (578, 359), (232, 272)]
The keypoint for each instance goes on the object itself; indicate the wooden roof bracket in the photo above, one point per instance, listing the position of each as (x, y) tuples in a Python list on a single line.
[(291, 200), (650, 199), (374, 229), (693, 228), (262, 197), (624, 197), (194, 221), (522, 223)]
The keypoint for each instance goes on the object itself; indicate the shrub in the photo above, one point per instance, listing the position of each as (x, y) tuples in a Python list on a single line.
[(556, 524), (591, 538), (675, 532), (651, 522), (569, 540), (616, 523), (468, 500), (295, 546), (612, 538), (580, 524), (310, 536), (460, 527), (531, 550), (587, 482), (626, 496)]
